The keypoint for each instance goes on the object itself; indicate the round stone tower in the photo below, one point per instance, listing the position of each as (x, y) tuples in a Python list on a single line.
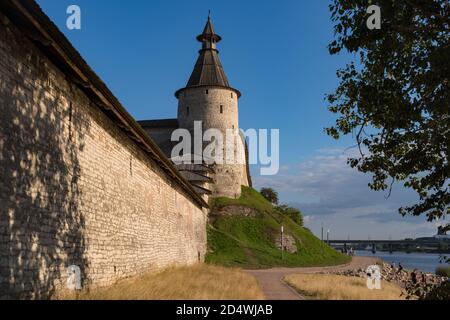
[(209, 98)]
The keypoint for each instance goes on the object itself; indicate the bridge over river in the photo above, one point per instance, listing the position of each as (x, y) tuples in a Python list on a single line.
[(391, 244)]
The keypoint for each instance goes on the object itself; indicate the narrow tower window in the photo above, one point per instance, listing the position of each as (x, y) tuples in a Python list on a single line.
[(70, 120), (131, 165), (207, 91), (187, 111), (221, 109), (232, 96), (70, 111)]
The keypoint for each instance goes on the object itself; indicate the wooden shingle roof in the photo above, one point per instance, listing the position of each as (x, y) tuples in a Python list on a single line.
[(208, 70)]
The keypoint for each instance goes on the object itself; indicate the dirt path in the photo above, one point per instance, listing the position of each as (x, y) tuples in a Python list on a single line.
[(271, 280)]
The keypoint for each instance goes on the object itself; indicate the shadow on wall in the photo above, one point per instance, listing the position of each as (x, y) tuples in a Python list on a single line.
[(41, 225)]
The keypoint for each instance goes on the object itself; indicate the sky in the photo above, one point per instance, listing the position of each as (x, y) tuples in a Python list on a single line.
[(275, 53)]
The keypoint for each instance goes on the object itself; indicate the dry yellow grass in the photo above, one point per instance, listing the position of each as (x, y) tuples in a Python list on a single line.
[(336, 287), (199, 282)]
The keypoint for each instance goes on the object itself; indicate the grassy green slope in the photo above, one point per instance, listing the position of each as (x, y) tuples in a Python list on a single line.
[(248, 241)]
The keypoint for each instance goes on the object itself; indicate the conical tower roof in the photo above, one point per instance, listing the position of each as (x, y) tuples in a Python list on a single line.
[(208, 70)]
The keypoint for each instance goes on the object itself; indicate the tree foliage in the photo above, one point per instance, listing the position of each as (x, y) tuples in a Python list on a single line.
[(293, 213), (395, 97), (270, 194)]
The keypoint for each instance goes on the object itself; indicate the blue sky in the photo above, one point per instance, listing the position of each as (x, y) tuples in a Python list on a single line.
[(275, 53)]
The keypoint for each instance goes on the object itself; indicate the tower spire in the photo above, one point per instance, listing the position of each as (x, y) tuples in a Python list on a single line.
[(208, 34), (208, 70)]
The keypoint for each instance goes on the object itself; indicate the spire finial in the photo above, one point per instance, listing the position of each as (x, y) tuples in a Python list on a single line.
[(209, 14)]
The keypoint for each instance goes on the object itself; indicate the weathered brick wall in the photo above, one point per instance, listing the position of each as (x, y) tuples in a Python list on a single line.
[(74, 189)]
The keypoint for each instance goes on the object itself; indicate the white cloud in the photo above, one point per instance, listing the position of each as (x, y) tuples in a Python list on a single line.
[(327, 190), (309, 219)]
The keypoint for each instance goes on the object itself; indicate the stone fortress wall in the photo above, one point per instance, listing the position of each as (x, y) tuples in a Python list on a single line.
[(75, 189)]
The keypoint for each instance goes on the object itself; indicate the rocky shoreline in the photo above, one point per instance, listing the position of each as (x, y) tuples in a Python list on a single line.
[(415, 283), (394, 275)]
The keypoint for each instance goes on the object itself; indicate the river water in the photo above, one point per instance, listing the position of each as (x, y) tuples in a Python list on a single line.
[(426, 262)]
